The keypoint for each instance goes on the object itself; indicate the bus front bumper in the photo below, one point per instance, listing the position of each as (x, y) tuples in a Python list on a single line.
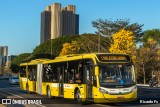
[(107, 98)]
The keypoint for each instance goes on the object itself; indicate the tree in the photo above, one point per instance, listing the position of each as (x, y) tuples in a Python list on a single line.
[(148, 60), (154, 34), (123, 42), (17, 60), (70, 48), (108, 27), (91, 42), (88, 43), (51, 48)]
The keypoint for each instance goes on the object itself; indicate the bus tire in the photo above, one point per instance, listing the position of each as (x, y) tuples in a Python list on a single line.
[(27, 88), (49, 92), (78, 97)]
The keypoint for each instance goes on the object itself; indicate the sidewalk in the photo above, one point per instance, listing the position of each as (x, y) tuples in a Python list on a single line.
[(1, 105), (142, 84)]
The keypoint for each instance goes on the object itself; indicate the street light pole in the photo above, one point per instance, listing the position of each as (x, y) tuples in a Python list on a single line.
[(51, 48), (99, 44)]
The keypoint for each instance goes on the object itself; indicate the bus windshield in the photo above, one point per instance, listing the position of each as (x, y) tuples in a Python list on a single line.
[(116, 75)]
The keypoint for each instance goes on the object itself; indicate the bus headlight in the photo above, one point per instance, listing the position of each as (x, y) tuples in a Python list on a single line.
[(103, 91), (134, 89)]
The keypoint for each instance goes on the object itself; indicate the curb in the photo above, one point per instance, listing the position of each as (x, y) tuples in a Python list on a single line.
[(1, 105), (142, 84)]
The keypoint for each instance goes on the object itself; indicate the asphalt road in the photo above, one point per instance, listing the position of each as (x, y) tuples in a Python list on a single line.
[(151, 95)]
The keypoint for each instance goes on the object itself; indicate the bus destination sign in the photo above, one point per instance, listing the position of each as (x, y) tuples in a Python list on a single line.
[(114, 58)]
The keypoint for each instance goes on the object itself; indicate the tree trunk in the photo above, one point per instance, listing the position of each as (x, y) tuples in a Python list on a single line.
[(158, 76), (144, 74)]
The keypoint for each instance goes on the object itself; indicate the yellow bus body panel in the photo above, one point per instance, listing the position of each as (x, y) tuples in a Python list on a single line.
[(31, 85), (107, 98), (44, 86), (53, 88), (23, 82), (69, 90)]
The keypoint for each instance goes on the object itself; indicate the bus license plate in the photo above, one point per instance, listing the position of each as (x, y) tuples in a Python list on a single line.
[(120, 98)]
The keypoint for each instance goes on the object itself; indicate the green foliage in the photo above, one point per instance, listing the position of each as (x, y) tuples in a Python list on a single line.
[(90, 42), (148, 55), (108, 27), (17, 60), (44, 49), (154, 34), (148, 60), (87, 42)]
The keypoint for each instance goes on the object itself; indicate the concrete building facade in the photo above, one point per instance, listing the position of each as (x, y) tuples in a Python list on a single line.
[(3, 55), (45, 26), (9, 59), (57, 21)]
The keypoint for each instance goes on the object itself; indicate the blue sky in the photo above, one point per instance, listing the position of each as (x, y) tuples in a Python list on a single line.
[(20, 19)]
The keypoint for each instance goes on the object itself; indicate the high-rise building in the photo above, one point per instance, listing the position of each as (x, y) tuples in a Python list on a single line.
[(57, 21), (3, 54), (9, 59)]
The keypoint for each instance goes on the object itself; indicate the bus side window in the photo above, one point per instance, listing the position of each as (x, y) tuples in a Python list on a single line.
[(78, 71), (29, 73), (71, 76), (66, 72), (34, 71), (54, 73), (23, 71), (49, 73), (46, 69), (71, 71), (77, 78)]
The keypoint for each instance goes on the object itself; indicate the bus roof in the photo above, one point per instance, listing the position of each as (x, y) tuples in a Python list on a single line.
[(68, 58), (34, 62), (86, 55), (79, 56), (23, 64)]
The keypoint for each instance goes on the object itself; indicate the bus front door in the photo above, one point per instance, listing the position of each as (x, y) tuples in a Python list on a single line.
[(89, 81), (60, 80), (34, 80)]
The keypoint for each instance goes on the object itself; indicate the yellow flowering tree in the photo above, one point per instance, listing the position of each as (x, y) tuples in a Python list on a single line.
[(148, 60), (70, 48), (123, 42)]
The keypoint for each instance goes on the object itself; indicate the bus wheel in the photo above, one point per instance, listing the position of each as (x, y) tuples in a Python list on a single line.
[(78, 97), (27, 88), (48, 92)]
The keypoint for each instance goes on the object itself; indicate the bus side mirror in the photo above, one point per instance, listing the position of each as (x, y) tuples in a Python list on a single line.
[(96, 70)]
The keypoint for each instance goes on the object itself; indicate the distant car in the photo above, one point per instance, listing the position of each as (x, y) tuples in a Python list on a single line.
[(13, 80), (4, 77)]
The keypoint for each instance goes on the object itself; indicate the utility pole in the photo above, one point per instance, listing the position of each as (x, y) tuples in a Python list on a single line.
[(99, 44), (51, 48)]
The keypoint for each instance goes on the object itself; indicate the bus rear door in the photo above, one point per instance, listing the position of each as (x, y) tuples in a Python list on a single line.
[(60, 80)]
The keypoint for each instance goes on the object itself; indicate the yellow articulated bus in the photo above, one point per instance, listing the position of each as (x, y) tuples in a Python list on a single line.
[(101, 77)]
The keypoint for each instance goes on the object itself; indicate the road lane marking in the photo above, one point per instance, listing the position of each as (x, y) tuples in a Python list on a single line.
[(11, 93), (104, 105), (18, 96), (11, 88)]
